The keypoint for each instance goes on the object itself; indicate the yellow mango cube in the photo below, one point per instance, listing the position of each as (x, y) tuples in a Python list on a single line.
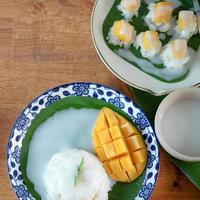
[(128, 130), (114, 176), (122, 175), (120, 146), (107, 167), (140, 168), (132, 173), (110, 116), (126, 163), (96, 141), (101, 154), (109, 150), (105, 137), (120, 119), (115, 165), (135, 142), (139, 156), (101, 123), (115, 132)]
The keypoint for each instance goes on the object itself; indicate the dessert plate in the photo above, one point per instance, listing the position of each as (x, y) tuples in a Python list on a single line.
[(124, 70), (56, 99)]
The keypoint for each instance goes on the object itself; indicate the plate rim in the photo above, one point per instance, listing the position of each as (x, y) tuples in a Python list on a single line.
[(65, 85), (151, 91)]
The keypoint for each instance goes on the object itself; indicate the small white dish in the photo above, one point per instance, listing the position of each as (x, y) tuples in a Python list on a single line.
[(177, 124), (126, 71)]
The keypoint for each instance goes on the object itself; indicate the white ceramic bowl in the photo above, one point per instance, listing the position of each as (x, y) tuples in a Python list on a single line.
[(125, 71), (177, 124)]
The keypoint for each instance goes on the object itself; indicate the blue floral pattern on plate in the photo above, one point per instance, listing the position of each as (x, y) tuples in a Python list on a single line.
[(22, 122), (142, 121), (81, 89)]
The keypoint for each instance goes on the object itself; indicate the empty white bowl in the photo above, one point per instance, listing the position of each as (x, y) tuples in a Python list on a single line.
[(177, 124)]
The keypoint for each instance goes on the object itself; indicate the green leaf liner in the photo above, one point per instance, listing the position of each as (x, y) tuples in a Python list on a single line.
[(120, 190), (149, 104), (139, 24), (190, 169)]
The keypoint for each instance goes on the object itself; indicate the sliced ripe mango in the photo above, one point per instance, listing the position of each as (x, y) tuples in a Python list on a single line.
[(101, 123), (119, 146)]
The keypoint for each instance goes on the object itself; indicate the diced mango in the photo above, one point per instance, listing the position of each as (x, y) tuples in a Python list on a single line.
[(115, 132), (120, 146), (101, 154), (121, 119), (121, 149), (107, 167), (122, 175), (135, 142), (115, 165), (128, 130), (126, 163), (139, 156), (110, 116), (96, 141), (140, 168), (101, 123), (114, 176), (109, 150), (133, 174), (163, 12), (105, 137)]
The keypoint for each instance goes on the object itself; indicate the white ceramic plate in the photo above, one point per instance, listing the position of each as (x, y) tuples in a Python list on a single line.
[(125, 71)]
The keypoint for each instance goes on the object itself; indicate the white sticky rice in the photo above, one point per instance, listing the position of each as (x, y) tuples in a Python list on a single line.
[(92, 183)]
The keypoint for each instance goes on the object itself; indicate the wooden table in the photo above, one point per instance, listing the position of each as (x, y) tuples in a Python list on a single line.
[(45, 43)]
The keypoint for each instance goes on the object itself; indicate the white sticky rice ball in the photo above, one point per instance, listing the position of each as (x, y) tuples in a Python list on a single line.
[(160, 16), (122, 33), (149, 43), (92, 183), (186, 24), (129, 8), (175, 54)]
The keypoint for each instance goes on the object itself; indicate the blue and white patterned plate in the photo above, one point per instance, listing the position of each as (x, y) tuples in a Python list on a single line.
[(87, 90)]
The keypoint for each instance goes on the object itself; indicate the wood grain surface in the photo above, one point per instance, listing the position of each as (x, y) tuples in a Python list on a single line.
[(44, 43)]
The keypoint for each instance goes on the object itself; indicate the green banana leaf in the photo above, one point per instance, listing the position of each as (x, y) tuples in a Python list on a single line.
[(149, 104), (119, 190), (140, 26)]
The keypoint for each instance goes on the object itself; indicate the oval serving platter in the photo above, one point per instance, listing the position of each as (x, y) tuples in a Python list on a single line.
[(124, 70), (107, 97)]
